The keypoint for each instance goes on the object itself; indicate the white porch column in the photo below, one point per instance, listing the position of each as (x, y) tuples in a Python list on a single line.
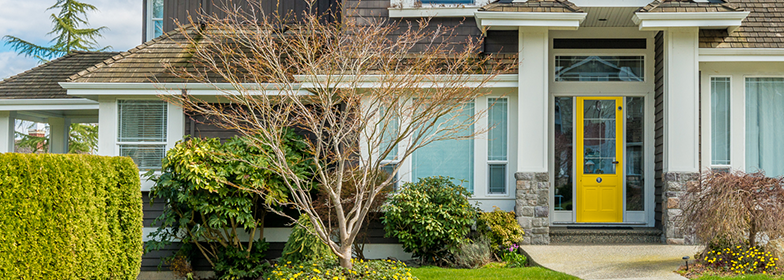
[(59, 128), (7, 123), (681, 100), (107, 126), (532, 100)]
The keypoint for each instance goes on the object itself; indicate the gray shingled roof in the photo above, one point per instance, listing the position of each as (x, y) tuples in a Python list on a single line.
[(551, 6), (687, 6), (41, 82), (763, 28)]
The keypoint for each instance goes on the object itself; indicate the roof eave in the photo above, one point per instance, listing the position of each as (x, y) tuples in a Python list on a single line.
[(554, 21), (706, 20)]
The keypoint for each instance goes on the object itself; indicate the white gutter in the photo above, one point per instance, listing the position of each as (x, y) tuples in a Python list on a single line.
[(553, 21), (741, 55), (49, 104)]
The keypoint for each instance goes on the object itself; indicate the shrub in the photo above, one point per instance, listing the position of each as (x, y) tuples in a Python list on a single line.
[(330, 269), (739, 260), (303, 245), (513, 258), (500, 227), (473, 255), (431, 217), (734, 207), (211, 190), (69, 217)]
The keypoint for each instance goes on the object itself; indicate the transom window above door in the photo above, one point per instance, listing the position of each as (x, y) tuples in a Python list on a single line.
[(595, 68)]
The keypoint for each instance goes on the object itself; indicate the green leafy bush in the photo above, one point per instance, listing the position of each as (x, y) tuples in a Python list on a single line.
[(500, 227), (303, 245), (474, 255), (212, 194), (330, 269), (431, 217), (513, 258), (69, 217)]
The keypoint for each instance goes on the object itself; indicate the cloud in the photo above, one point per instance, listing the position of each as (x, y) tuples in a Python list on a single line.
[(12, 64)]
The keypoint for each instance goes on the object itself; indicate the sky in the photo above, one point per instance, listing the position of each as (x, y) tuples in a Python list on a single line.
[(29, 20)]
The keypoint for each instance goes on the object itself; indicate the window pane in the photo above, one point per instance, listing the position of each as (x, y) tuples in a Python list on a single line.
[(142, 121), (449, 158), (146, 157), (599, 136), (389, 134), (157, 8), (563, 153), (497, 176), (635, 154), (600, 68), (158, 25), (389, 169), (720, 121), (764, 128), (497, 116)]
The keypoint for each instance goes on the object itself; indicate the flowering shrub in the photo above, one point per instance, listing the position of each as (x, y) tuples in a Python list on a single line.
[(501, 227), (514, 259), (331, 270), (740, 260)]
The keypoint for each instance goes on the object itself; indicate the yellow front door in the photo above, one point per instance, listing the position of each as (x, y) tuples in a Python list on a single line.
[(599, 163)]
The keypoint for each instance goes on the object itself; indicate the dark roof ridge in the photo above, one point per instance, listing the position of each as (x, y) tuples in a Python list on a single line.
[(125, 54)]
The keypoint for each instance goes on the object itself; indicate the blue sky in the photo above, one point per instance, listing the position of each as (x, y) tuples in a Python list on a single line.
[(29, 20)]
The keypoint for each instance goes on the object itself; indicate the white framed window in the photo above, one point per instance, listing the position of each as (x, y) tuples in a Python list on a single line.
[(720, 89), (497, 145), (154, 18), (391, 160), (142, 131), (764, 128), (599, 68)]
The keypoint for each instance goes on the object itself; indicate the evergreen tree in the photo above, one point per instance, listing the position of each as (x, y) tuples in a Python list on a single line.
[(67, 27)]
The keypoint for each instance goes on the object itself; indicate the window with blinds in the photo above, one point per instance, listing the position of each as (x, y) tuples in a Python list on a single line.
[(497, 159), (142, 131)]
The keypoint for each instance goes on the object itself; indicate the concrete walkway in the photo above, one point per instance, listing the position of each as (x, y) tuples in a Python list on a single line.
[(613, 261)]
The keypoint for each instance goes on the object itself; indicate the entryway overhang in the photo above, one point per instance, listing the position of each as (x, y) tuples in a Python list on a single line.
[(705, 20), (488, 20)]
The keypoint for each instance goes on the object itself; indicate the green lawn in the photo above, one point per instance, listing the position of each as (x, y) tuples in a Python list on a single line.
[(744, 277), (431, 272)]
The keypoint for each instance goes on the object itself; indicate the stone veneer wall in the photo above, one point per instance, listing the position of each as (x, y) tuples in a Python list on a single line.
[(532, 206), (675, 186)]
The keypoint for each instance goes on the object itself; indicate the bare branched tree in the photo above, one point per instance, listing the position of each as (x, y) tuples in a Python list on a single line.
[(734, 207), (359, 89)]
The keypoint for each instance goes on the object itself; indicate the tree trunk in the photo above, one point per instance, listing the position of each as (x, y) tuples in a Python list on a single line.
[(345, 260), (753, 233)]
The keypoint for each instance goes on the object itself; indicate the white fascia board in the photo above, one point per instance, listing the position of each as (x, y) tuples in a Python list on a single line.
[(741, 55), (555, 21), (47, 104), (152, 89), (658, 21), (424, 12), (374, 81), (610, 3)]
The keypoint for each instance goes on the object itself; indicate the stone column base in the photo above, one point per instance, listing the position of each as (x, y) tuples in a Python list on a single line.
[(675, 186), (532, 206)]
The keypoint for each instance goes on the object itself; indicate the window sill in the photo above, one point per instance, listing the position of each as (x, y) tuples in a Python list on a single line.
[(453, 11)]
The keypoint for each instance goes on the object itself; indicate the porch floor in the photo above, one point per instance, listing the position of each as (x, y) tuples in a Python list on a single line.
[(612, 261)]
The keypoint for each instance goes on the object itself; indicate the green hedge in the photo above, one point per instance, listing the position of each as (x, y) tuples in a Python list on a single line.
[(69, 217)]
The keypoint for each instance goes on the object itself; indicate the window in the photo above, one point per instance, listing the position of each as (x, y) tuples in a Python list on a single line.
[(449, 158), (635, 153), (564, 153), (600, 68), (764, 128), (720, 121), (497, 158), (390, 161), (142, 131), (154, 18)]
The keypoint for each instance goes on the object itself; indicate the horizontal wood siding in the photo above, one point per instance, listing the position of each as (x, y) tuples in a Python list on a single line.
[(502, 42)]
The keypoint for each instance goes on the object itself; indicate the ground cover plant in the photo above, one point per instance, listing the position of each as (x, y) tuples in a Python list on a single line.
[(331, 269), (69, 217), (431, 217), (533, 273)]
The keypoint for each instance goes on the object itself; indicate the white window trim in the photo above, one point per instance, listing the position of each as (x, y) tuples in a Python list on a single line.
[(707, 138), (601, 52), (485, 160), (742, 116)]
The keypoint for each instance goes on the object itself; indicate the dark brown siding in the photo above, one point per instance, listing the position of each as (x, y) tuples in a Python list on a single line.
[(201, 127), (659, 126), (501, 42)]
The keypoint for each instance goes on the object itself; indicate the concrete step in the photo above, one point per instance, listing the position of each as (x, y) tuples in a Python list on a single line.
[(608, 235)]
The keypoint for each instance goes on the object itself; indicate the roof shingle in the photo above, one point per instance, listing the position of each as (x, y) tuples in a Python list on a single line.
[(763, 28), (687, 6), (41, 82), (540, 6)]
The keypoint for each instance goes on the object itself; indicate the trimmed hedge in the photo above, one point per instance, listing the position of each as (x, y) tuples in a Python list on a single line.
[(69, 217)]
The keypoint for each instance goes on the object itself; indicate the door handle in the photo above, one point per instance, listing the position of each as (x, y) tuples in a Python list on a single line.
[(615, 162)]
